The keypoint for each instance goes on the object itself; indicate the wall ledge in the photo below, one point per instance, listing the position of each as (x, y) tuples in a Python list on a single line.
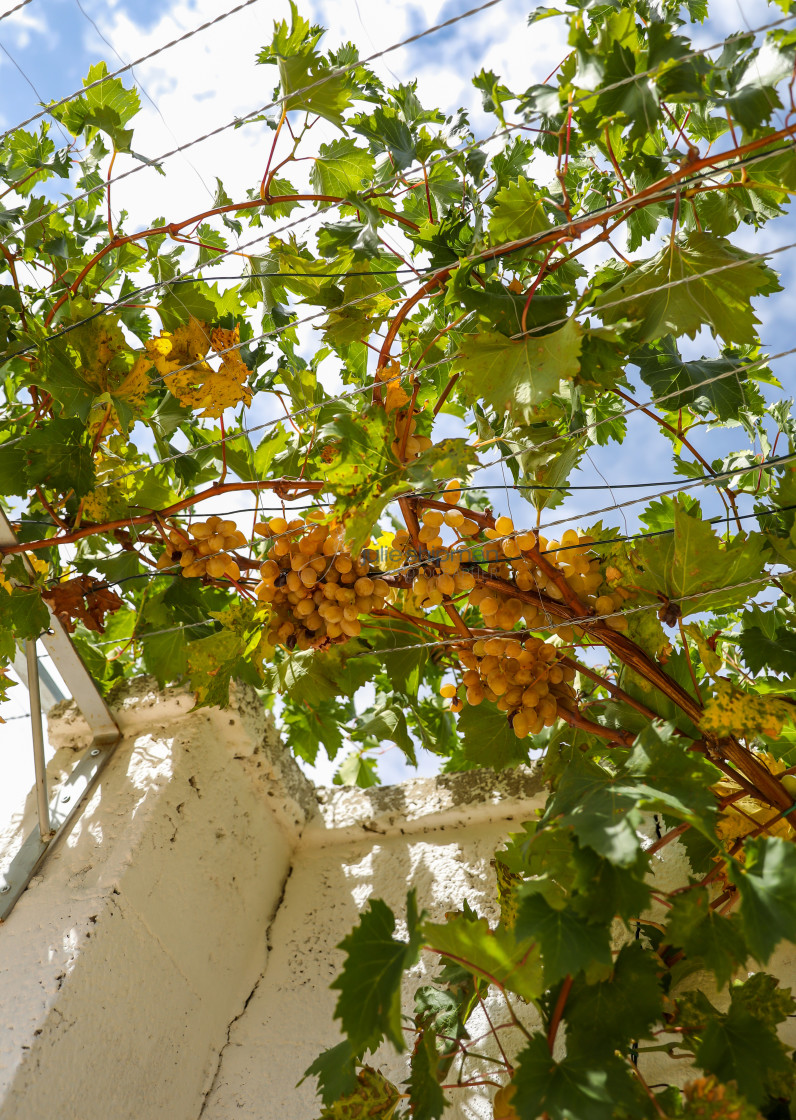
[(448, 801)]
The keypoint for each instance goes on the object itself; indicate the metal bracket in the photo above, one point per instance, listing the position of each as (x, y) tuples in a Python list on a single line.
[(56, 818)]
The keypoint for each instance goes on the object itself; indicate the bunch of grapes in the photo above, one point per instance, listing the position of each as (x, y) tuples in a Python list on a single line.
[(208, 552), (316, 589), (575, 559), (525, 679)]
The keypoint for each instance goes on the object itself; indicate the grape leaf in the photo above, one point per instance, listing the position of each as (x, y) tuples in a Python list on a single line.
[(721, 301), (493, 955), (386, 721), (695, 561), (518, 212), (59, 458), (341, 168), (374, 1096), (707, 938), (487, 740), (13, 478), (571, 1089), (335, 1070), (777, 653), (426, 1098), (731, 710), (625, 1005), (767, 913), (568, 943), (518, 377), (369, 1004)]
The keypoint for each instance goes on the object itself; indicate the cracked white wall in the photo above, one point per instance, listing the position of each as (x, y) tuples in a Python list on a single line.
[(173, 959)]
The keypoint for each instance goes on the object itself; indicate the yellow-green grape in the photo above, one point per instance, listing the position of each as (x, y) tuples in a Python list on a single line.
[(452, 493), (207, 553), (524, 678), (316, 590)]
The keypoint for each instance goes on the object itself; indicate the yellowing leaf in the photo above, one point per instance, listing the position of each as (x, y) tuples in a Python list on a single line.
[(187, 344), (178, 357), (395, 397), (733, 712)]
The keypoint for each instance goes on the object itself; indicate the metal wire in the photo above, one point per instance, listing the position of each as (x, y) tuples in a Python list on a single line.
[(625, 538), (458, 641), (10, 12), (339, 71), (705, 480), (344, 70), (442, 361), (122, 69), (528, 243), (584, 619)]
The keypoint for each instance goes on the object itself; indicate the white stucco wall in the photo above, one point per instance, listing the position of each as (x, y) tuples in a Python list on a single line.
[(125, 961), (172, 960)]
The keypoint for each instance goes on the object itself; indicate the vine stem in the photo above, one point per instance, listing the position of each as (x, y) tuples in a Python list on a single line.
[(173, 228), (609, 686), (558, 1012), (265, 184), (279, 485), (108, 190), (681, 436), (687, 653), (616, 737)]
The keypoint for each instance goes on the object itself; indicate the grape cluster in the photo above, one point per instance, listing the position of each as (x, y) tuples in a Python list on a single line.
[(316, 589), (525, 679), (574, 557), (208, 552), (441, 574)]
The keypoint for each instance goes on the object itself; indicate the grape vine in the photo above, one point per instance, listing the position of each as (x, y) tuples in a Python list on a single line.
[(429, 343)]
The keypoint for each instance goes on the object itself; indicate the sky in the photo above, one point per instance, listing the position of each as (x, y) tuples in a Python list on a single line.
[(211, 79)]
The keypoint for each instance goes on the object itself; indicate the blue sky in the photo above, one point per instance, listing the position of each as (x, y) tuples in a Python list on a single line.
[(212, 78)]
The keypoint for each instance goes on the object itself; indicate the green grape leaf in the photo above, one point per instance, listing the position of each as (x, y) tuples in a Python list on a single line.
[(13, 476), (568, 943), (738, 1047), (721, 301), (665, 372), (23, 615), (59, 458), (695, 561), (335, 1070), (426, 1098), (356, 769), (605, 809), (571, 1089), (762, 997), (518, 212), (767, 914), (604, 891), (777, 653), (623, 1006), (487, 740), (518, 377), (321, 674), (707, 938), (369, 1004), (341, 168), (385, 722), (107, 107), (300, 65), (493, 955)]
